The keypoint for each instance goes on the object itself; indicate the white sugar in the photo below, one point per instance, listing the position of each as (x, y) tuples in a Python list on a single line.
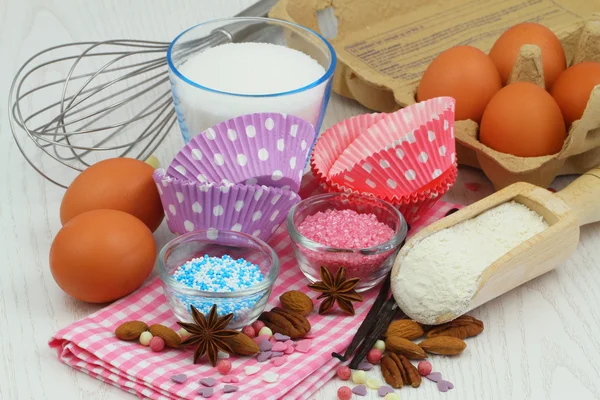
[(441, 273), (252, 68)]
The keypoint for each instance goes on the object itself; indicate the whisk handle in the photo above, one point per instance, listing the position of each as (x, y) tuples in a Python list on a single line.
[(259, 9)]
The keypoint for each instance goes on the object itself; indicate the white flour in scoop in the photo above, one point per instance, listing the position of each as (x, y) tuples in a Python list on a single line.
[(441, 273)]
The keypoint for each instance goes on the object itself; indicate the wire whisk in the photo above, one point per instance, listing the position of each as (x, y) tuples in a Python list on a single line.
[(79, 103)]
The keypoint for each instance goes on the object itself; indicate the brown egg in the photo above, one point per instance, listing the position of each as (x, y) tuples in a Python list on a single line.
[(523, 119), (573, 88), (123, 184), (465, 73), (506, 49), (102, 255)]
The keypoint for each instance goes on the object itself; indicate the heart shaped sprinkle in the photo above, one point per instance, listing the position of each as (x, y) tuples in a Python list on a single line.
[(365, 366), (444, 386), (281, 338), (179, 378), (289, 349), (210, 382), (227, 379), (205, 392), (276, 354), (382, 391), (260, 338), (270, 377), (230, 388), (263, 356), (303, 346), (360, 390), (289, 342), (278, 362), (251, 370), (434, 377), (265, 345), (279, 346), (374, 383)]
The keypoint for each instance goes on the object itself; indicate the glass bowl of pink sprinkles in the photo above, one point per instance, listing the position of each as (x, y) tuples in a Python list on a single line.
[(360, 233)]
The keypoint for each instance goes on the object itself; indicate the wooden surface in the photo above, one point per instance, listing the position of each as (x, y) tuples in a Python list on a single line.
[(541, 340)]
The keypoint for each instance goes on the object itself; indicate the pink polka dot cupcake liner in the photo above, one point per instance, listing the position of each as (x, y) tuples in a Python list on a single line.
[(269, 149), (252, 209), (400, 152), (412, 198)]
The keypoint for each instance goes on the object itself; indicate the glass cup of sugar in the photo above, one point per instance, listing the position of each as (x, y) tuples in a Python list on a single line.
[(236, 66)]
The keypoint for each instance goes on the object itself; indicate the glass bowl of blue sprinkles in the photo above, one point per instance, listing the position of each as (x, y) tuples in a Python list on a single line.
[(233, 270)]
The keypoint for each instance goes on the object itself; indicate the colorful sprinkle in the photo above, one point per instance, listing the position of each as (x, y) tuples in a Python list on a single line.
[(281, 338), (270, 377), (434, 377), (265, 331), (157, 344), (279, 346), (259, 339), (344, 393), (179, 378), (219, 274), (221, 355), (230, 379), (374, 383), (424, 368), (205, 392), (208, 382), (374, 356), (365, 366), (265, 345), (183, 333), (263, 356), (359, 377), (379, 345), (304, 346), (258, 325), (230, 388), (224, 367), (145, 338), (444, 386), (249, 331), (382, 391), (344, 373), (278, 362), (391, 396), (360, 390), (251, 370), (275, 354)]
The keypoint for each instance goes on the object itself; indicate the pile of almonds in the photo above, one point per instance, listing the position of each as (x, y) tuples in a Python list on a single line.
[(446, 339), (155, 336)]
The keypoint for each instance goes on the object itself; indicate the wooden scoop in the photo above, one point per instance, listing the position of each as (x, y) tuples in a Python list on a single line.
[(576, 205)]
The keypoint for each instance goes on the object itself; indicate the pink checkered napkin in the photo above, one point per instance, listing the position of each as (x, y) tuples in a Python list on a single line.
[(90, 345)]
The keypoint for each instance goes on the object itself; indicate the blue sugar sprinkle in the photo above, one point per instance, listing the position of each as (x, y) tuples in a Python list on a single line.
[(219, 274)]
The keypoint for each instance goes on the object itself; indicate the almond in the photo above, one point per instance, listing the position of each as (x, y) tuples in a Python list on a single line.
[(297, 301), (405, 328), (171, 338), (408, 349), (242, 345), (130, 330), (446, 345)]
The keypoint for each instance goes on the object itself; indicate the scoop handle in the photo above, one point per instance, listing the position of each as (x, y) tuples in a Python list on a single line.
[(583, 195)]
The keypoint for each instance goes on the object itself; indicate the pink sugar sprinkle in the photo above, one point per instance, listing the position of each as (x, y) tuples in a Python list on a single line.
[(345, 229)]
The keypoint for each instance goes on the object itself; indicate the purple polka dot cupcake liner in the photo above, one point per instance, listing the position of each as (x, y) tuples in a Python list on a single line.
[(252, 209), (269, 149)]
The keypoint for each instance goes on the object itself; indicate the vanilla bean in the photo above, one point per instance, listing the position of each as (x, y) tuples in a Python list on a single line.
[(387, 314), (368, 322)]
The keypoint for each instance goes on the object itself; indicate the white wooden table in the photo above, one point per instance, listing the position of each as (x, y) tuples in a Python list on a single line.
[(541, 340)]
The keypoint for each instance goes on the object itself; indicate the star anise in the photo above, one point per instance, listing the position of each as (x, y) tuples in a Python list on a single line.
[(338, 289), (208, 334)]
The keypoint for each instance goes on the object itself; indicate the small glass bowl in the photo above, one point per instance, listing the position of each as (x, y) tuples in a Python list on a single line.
[(247, 304), (370, 264)]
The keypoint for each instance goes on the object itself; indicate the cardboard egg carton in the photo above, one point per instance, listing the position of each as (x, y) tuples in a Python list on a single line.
[(384, 47)]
